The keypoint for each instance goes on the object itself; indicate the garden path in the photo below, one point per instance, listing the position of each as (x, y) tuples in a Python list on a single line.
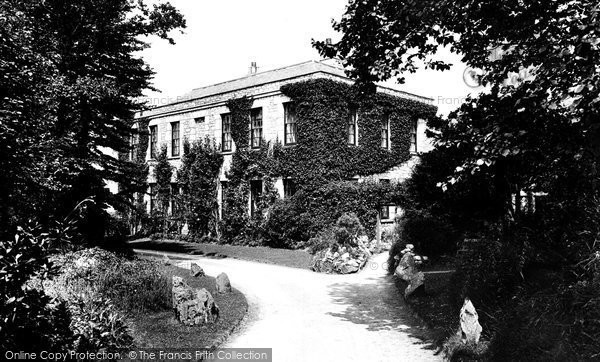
[(305, 316)]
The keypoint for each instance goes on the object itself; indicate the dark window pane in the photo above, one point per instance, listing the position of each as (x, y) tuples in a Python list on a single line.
[(255, 192), (256, 124), (290, 123), (352, 128), (175, 139), (289, 188), (226, 140), (153, 141)]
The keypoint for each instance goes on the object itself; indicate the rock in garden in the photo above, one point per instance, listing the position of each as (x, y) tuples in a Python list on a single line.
[(166, 260), (469, 323), (196, 270), (223, 284), (191, 306), (406, 270), (414, 283), (406, 267)]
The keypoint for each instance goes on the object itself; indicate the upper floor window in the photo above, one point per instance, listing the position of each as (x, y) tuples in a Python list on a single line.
[(291, 129), (153, 141), (226, 140), (134, 142), (199, 119), (413, 137), (256, 125), (175, 139), (385, 133), (353, 128)]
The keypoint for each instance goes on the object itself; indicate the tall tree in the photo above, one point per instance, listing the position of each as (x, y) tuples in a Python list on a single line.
[(74, 68)]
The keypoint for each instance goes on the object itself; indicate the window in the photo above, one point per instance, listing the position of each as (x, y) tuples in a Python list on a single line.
[(174, 199), (226, 140), (289, 188), (152, 196), (289, 111), (353, 128), (255, 192), (385, 133), (385, 212), (175, 139), (413, 137), (256, 123), (199, 119), (153, 141), (134, 142)]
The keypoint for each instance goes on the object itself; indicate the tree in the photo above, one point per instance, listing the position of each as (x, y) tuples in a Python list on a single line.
[(71, 77), (538, 132)]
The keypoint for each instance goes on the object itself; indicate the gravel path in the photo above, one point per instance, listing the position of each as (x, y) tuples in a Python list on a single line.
[(305, 316)]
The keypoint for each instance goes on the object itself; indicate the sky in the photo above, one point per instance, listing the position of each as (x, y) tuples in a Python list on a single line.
[(223, 37)]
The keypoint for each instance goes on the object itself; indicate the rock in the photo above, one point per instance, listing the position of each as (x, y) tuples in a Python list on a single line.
[(165, 260), (406, 270), (196, 270), (414, 283), (406, 267), (223, 284), (193, 307), (469, 323)]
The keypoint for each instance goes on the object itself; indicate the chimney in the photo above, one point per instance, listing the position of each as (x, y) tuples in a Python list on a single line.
[(253, 68)]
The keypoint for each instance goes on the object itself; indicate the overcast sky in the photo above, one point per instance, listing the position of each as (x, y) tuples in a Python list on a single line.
[(224, 36)]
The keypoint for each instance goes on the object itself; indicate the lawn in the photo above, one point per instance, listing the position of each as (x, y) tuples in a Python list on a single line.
[(285, 257), (161, 330)]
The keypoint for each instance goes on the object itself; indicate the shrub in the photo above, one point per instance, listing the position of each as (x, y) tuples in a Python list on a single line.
[(431, 235), (29, 320), (132, 285), (97, 325)]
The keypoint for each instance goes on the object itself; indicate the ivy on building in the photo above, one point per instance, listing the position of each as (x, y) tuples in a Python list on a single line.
[(322, 154)]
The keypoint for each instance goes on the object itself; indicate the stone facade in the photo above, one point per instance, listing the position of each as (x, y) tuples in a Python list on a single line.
[(199, 115)]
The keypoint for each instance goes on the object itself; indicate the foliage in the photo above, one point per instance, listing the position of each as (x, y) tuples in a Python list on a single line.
[(431, 235), (535, 128), (69, 87), (198, 178), (29, 320), (134, 286), (97, 325), (322, 153), (163, 172)]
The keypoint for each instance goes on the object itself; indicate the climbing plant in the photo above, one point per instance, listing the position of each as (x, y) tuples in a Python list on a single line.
[(198, 178)]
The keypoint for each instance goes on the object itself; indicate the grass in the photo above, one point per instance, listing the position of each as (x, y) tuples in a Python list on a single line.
[(285, 257), (161, 330)]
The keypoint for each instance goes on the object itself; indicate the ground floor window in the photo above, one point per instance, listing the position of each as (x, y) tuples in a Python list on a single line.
[(384, 212), (255, 192), (289, 188), (223, 196), (152, 197), (174, 199)]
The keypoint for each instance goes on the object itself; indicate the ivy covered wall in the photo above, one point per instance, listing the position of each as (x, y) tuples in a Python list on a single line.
[(321, 154)]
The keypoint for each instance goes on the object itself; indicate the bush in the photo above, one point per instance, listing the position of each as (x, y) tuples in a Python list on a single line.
[(431, 235), (29, 320), (97, 325), (132, 285)]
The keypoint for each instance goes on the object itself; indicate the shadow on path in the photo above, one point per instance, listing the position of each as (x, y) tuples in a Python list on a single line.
[(377, 303)]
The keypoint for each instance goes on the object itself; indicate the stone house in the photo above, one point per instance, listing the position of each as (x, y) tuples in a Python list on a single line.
[(203, 112)]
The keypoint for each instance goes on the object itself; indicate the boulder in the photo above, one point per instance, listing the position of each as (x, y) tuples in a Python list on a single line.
[(223, 284), (196, 270), (406, 267), (406, 270), (416, 281), (193, 307), (470, 328), (165, 260)]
